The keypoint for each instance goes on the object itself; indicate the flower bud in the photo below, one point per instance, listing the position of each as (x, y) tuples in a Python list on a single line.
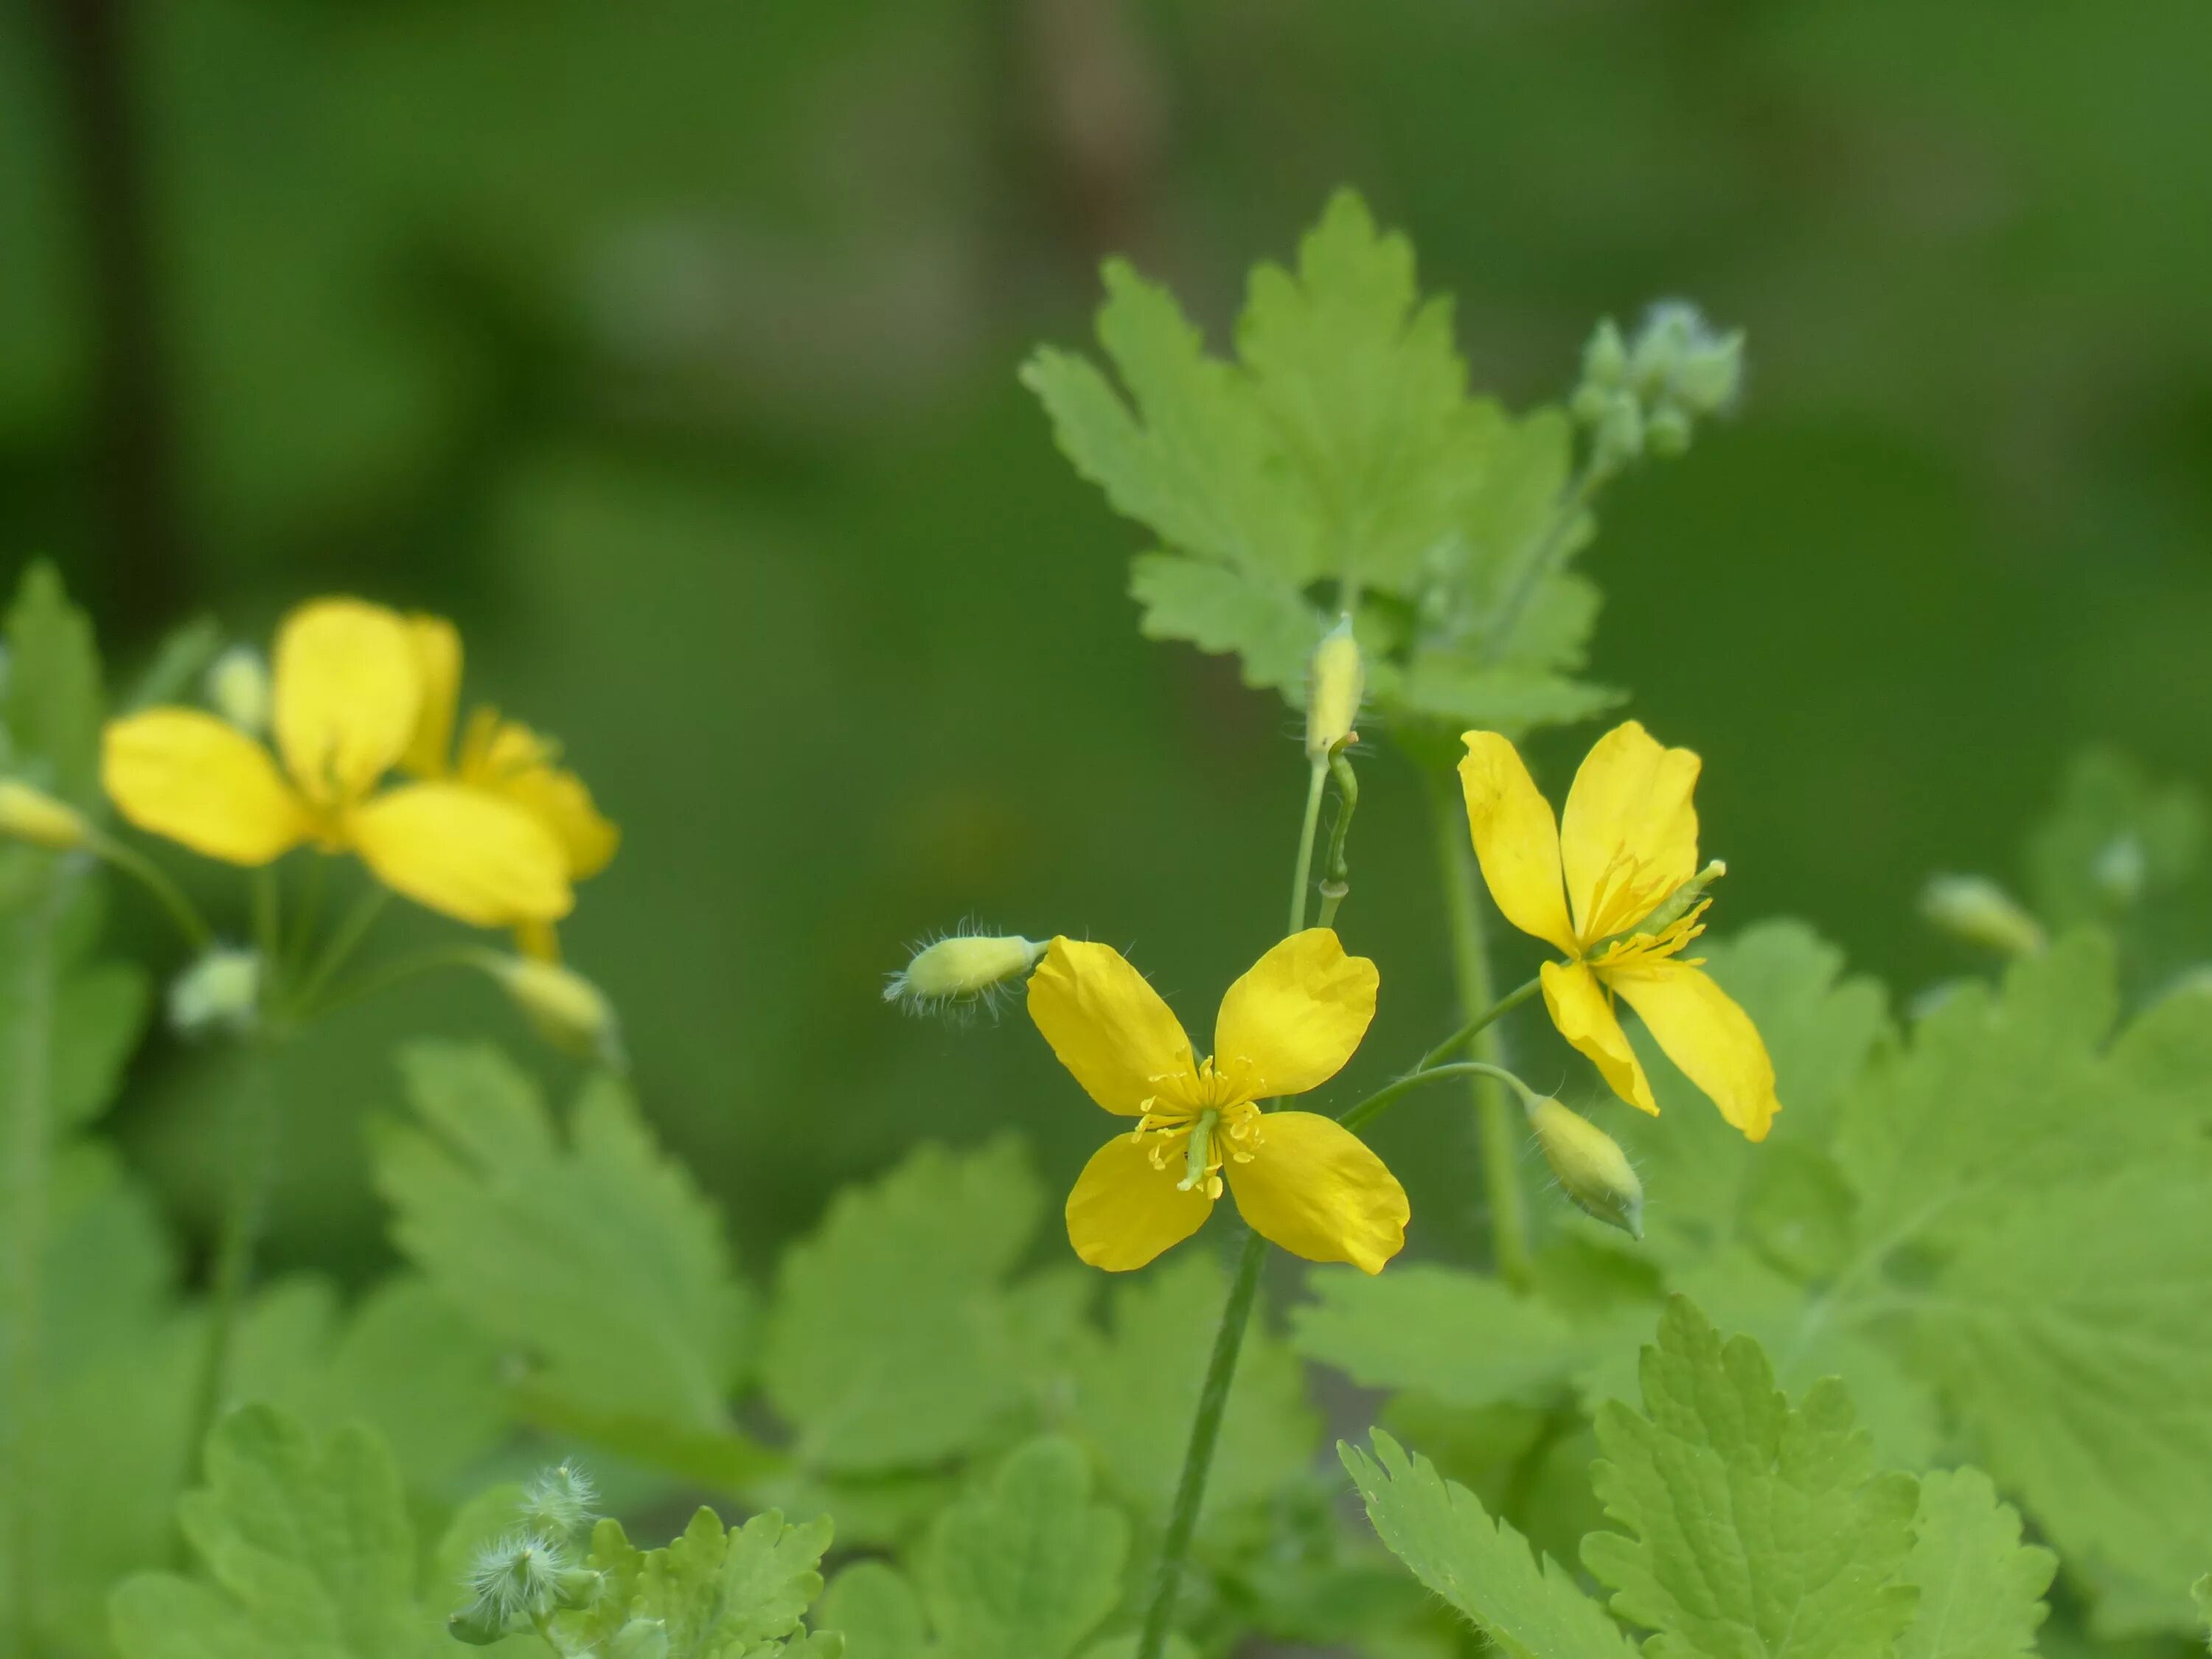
[(1976, 909), (219, 992), (1620, 436), (559, 1500), (238, 689), (562, 1006), (962, 973), (1336, 679), (1605, 358), (1667, 433), (34, 815), (522, 1575), (477, 1626), (1592, 1169)]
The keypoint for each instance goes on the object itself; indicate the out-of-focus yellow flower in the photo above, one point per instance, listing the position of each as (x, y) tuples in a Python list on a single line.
[(1300, 1180), (346, 700), (1625, 846), (505, 757)]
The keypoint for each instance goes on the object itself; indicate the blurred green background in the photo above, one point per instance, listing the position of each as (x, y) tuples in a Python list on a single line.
[(670, 348)]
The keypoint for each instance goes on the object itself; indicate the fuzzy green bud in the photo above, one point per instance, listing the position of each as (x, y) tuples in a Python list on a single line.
[(478, 1627), (1667, 432), (1976, 909), (961, 973), (1709, 374), (1605, 358), (1619, 438), (562, 1006), (1592, 1169), (219, 992), (32, 815), (238, 689), (1336, 679), (559, 1500)]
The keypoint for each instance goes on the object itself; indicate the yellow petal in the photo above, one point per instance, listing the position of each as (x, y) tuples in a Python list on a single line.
[(1294, 1018), (1706, 1034), (198, 780), (1318, 1190), (559, 801), (348, 691), (1107, 1026), (1122, 1211), (463, 852), (1629, 837), (437, 662), (1586, 1019), (1516, 838)]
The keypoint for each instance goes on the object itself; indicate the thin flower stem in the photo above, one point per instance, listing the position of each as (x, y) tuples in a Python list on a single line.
[(1544, 555), (1198, 1455), (1504, 1005), (1499, 1134), (253, 1161), (1303, 877), (26, 1172), (345, 940), (166, 893), (1366, 1111), (399, 972), (1336, 871)]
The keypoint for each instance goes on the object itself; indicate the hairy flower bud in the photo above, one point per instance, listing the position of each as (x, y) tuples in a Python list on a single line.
[(32, 815), (559, 1500), (238, 689), (1976, 909), (562, 1006), (1605, 358), (1592, 1169), (220, 991), (962, 973), (1336, 679)]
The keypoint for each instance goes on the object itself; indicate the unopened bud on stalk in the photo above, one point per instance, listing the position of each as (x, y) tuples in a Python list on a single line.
[(238, 689), (1976, 909), (562, 1006), (36, 817), (559, 1500), (219, 992), (959, 974), (1592, 1169), (1336, 679)]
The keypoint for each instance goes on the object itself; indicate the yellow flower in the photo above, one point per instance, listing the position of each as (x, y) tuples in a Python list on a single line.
[(505, 757), (1627, 843), (347, 699), (1301, 1179)]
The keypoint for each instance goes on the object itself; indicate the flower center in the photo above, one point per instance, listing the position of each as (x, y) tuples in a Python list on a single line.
[(1201, 1139)]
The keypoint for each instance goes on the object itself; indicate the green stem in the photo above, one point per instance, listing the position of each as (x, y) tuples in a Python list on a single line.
[(1389, 1094), (345, 940), (1504, 1005), (399, 972), (268, 917), (166, 893), (1336, 876), (1545, 553), (1497, 1128), (1198, 1455), (1303, 875), (253, 1161), (26, 1169)]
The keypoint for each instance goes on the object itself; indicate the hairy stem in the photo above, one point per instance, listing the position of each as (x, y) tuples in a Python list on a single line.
[(25, 1160), (1497, 1124), (1302, 877), (1198, 1455)]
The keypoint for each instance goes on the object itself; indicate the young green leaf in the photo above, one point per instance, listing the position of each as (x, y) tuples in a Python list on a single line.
[(1528, 1607), (1981, 1589), (1462, 1338), (308, 1547), (52, 704), (592, 1252), (1026, 1567), (1752, 1527), (874, 1608), (713, 1593), (893, 1340)]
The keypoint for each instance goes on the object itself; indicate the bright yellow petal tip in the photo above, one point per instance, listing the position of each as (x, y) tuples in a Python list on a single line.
[(198, 780), (348, 690)]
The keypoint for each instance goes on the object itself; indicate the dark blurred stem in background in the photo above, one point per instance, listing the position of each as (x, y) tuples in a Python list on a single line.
[(147, 572)]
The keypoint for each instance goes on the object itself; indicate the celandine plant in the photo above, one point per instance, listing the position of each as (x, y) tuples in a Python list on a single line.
[(1917, 1368)]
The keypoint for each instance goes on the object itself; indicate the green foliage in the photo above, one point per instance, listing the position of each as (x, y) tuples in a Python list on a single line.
[(1750, 1526), (308, 1547), (1529, 1607), (589, 1250), (1024, 1566), (51, 702), (1981, 1590), (713, 1593), (1341, 450)]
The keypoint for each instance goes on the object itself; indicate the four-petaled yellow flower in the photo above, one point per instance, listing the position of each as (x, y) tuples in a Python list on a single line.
[(1301, 1179), (1627, 842), (347, 705), (505, 757)]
